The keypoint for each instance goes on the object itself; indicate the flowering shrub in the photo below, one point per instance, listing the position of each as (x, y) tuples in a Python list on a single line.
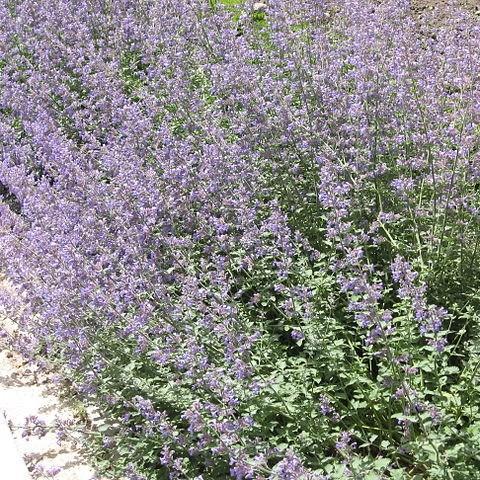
[(249, 236)]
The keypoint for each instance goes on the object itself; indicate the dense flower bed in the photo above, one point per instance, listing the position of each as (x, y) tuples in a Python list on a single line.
[(250, 237)]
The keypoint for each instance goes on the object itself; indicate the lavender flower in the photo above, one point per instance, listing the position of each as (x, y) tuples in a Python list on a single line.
[(297, 335)]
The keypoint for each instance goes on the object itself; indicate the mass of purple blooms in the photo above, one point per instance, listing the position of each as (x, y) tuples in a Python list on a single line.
[(250, 237)]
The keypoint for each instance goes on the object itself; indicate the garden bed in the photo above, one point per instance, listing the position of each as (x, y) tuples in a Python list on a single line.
[(248, 235)]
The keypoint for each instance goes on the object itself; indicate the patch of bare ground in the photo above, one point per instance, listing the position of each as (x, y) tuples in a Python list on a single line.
[(28, 392), (438, 12)]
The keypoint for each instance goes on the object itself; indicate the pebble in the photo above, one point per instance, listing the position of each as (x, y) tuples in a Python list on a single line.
[(259, 7)]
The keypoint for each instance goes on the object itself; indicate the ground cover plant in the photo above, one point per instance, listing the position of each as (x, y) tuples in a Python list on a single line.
[(249, 236)]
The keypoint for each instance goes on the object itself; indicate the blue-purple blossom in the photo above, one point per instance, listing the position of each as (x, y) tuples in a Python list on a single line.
[(345, 443)]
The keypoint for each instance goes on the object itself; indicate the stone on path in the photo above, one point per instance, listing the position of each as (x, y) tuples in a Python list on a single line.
[(259, 7)]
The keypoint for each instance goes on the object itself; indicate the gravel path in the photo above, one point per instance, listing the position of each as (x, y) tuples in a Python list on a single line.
[(26, 391)]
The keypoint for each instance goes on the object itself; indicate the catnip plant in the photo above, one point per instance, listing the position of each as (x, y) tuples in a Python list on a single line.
[(248, 236)]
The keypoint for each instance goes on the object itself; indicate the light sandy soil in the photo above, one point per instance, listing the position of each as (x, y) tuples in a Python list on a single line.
[(24, 391)]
